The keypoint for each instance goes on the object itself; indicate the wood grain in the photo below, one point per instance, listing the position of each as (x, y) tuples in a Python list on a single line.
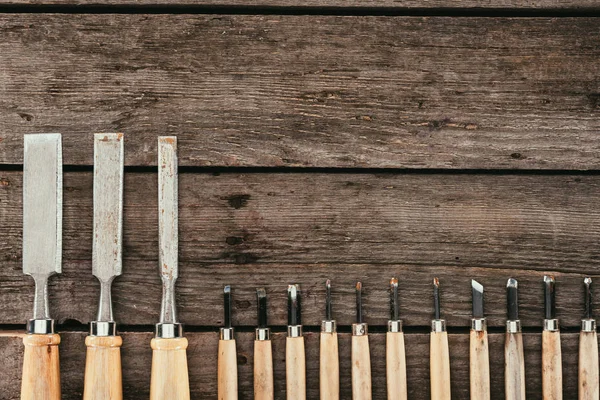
[(295, 368), (361, 368), (273, 229), (103, 375), (479, 365), (169, 377), (439, 366), (329, 366), (589, 385), (263, 370), (515, 383), (308, 91), (41, 368), (227, 370), (552, 381), (395, 360)]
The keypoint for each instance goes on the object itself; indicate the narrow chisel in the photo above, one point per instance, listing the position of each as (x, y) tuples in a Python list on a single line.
[(589, 388), (103, 359), (361, 356), (295, 362), (263, 352), (329, 379), (395, 353), (42, 257), (169, 379), (551, 353), (227, 359), (479, 354), (439, 355), (514, 363)]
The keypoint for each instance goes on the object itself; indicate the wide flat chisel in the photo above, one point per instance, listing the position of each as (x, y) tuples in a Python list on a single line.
[(103, 359), (295, 361), (42, 257), (169, 379), (589, 387), (361, 355), (329, 361), (439, 355), (479, 357), (227, 358), (514, 362), (551, 352), (395, 352), (263, 352)]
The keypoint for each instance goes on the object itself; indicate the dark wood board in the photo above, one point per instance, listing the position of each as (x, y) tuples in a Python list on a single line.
[(308, 91), (271, 229)]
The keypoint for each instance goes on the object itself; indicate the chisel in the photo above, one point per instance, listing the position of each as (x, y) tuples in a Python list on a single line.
[(589, 388), (103, 359), (42, 257), (439, 355), (295, 362), (361, 356), (227, 360), (329, 379), (395, 354), (263, 352), (169, 379), (551, 353), (479, 354), (514, 363)]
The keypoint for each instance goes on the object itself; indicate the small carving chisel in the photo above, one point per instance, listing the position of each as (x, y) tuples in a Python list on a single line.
[(479, 354), (329, 358), (589, 387), (439, 355), (295, 361), (361, 356), (263, 352), (169, 379), (103, 359), (395, 352), (514, 363), (227, 360), (551, 353), (42, 257)]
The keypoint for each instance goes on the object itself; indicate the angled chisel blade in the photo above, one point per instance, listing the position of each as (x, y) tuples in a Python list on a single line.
[(42, 213)]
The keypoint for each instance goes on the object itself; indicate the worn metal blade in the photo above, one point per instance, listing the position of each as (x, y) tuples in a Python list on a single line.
[(108, 206), (477, 298), (42, 204)]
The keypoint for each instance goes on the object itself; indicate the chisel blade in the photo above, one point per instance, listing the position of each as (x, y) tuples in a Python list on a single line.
[(108, 206), (42, 204)]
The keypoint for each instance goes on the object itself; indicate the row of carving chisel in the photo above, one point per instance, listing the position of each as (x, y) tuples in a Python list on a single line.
[(42, 250)]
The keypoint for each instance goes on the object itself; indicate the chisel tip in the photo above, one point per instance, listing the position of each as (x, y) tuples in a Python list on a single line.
[(359, 315), (294, 307), (436, 298), (478, 287), (512, 283), (587, 283), (394, 307), (261, 295), (328, 316), (227, 305), (512, 303), (477, 299), (549, 297)]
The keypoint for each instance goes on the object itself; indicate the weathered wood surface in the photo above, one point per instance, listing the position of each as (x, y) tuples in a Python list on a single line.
[(267, 229), (309, 91), (202, 358)]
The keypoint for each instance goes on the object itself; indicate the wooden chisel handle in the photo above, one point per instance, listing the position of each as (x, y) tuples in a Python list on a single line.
[(551, 366), (103, 368), (295, 368), (329, 371), (479, 365), (41, 370), (263, 370), (227, 370), (361, 368), (439, 366), (514, 367), (169, 379), (589, 388), (395, 366)]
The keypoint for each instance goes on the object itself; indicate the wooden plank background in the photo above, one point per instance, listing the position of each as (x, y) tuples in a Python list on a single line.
[(318, 139)]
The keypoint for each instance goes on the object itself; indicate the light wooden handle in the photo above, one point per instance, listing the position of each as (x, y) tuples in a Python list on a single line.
[(361, 368), (103, 368), (589, 388), (329, 372), (439, 366), (41, 370), (551, 366), (263, 370), (227, 370), (514, 367), (479, 361), (295, 368), (395, 366), (169, 379)]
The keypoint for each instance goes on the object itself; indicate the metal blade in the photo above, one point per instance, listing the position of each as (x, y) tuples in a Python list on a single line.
[(549, 297), (168, 224), (512, 300), (436, 299), (477, 298)]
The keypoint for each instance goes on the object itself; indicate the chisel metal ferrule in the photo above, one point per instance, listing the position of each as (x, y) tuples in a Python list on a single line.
[(361, 329), (226, 334), (551, 325), (263, 334), (478, 324), (169, 330), (438, 325), (328, 326), (103, 328), (294, 330), (588, 325), (40, 326), (513, 326), (395, 326)]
